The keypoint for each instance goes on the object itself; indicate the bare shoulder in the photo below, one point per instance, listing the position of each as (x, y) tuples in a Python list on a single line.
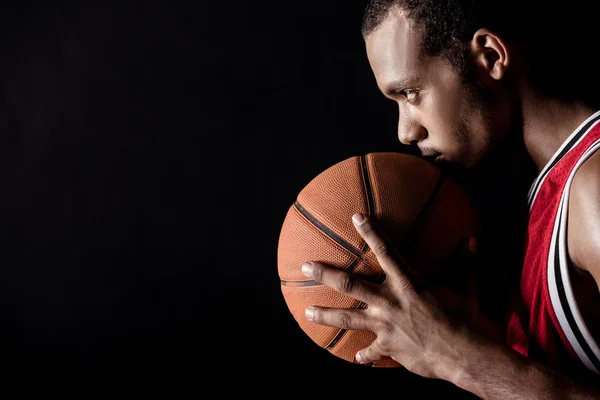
[(584, 217)]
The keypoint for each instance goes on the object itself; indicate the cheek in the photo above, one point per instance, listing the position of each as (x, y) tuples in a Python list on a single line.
[(441, 116), (445, 107), (478, 137)]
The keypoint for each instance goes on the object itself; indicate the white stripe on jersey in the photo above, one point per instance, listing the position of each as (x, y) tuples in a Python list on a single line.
[(565, 307)]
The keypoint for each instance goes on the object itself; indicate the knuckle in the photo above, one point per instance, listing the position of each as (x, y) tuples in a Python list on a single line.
[(388, 330), (409, 291), (344, 320), (370, 354), (385, 324), (346, 283), (367, 228), (384, 345), (317, 272), (381, 248), (378, 326), (390, 304)]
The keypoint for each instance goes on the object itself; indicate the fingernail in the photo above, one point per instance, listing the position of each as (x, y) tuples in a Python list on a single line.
[(307, 269), (358, 218), (358, 358), (309, 313)]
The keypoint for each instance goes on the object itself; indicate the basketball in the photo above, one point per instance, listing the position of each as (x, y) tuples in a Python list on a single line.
[(424, 213)]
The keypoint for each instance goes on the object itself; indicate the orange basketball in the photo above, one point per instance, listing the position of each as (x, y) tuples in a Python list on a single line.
[(423, 212)]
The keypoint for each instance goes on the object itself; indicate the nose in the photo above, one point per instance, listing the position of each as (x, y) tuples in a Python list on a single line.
[(410, 132)]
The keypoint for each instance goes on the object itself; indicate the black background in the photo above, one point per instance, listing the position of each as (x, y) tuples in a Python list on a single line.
[(149, 153)]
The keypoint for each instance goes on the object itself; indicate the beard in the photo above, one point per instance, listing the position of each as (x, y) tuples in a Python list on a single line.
[(474, 157)]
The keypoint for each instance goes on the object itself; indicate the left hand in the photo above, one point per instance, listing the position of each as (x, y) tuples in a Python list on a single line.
[(411, 326)]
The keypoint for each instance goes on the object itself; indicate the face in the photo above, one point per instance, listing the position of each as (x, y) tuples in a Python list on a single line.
[(440, 111)]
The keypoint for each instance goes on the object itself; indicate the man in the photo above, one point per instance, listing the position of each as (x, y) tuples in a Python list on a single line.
[(465, 83)]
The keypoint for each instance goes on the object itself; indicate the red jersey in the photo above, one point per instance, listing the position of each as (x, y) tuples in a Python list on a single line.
[(547, 324)]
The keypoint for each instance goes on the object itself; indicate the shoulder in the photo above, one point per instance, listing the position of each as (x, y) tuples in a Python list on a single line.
[(587, 178), (584, 217)]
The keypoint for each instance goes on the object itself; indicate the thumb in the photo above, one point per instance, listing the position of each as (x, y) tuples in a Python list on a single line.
[(370, 354)]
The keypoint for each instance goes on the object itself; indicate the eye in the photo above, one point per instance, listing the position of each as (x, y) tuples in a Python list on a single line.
[(410, 94)]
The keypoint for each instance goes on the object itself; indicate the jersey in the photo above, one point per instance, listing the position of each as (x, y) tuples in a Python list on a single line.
[(546, 323)]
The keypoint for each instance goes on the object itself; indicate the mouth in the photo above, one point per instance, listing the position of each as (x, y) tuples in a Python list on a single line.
[(436, 158)]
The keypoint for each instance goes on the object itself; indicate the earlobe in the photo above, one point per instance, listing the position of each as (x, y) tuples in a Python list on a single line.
[(491, 53)]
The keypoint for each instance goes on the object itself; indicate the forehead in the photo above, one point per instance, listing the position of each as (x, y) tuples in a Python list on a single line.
[(394, 48)]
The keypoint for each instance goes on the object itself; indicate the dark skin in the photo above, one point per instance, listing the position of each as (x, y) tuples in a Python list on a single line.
[(438, 114)]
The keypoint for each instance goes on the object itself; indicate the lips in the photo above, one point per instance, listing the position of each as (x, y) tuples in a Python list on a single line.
[(434, 158)]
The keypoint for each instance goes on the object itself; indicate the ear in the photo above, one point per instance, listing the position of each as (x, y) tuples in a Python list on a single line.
[(490, 53)]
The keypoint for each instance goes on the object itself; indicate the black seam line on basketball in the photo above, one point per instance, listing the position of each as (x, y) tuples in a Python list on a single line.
[(567, 308), (368, 187), (349, 268), (299, 283), (368, 191), (567, 148), (342, 332), (328, 232)]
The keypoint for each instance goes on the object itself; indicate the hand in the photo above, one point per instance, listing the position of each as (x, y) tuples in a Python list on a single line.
[(411, 326)]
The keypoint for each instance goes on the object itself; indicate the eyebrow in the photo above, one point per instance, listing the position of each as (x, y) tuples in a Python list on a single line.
[(399, 85)]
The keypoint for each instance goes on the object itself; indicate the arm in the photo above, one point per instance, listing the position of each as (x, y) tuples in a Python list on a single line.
[(584, 219), (493, 371), (412, 328)]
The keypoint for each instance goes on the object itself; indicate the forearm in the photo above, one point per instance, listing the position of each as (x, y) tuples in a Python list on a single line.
[(492, 370)]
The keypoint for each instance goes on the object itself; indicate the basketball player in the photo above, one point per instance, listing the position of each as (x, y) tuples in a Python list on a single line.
[(465, 79)]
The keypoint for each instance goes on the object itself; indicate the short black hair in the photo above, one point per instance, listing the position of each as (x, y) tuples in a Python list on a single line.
[(557, 39), (447, 25)]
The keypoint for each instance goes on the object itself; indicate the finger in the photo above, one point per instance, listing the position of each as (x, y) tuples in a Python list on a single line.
[(345, 283), (370, 354), (349, 319), (387, 254)]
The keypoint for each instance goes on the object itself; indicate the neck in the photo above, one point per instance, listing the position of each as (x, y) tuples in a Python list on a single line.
[(547, 123)]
